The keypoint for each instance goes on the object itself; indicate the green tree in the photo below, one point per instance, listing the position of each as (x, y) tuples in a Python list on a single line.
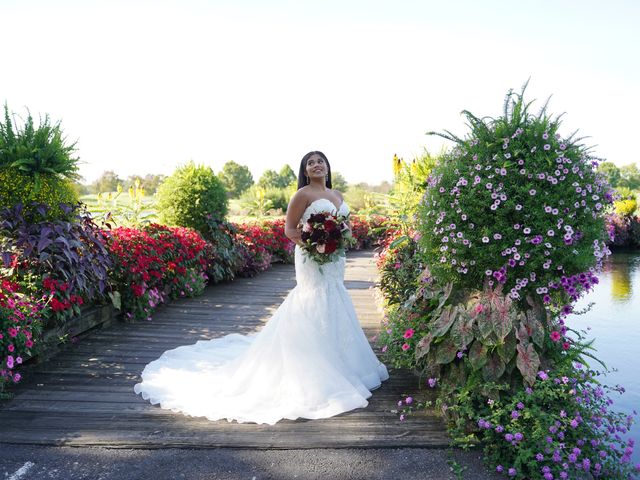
[(287, 177), (107, 182), (611, 173), (236, 178), (152, 181), (269, 179), (338, 182), (630, 176)]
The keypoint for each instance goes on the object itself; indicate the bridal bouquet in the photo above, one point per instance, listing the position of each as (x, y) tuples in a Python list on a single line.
[(326, 236)]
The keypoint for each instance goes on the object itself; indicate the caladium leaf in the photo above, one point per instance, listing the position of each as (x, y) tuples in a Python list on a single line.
[(528, 362), (462, 331), (444, 321), (508, 348), (446, 292), (534, 327), (522, 334), (485, 326), (493, 369), (477, 355), (423, 346), (501, 320), (446, 352)]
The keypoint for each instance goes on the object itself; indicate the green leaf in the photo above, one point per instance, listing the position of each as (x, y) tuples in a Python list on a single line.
[(477, 355), (508, 348), (493, 369), (446, 352), (398, 241)]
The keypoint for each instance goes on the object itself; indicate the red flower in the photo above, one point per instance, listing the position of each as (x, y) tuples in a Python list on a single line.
[(56, 305), (138, 290), (329, 225), (330, 246), (49, 284)]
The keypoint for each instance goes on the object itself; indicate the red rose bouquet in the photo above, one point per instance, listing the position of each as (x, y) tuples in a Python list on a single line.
[(326, 236)]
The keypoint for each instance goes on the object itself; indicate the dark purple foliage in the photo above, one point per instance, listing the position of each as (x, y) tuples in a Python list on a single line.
[(71, 251)]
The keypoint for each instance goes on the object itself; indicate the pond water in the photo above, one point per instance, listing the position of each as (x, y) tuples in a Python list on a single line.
[(614, 322)]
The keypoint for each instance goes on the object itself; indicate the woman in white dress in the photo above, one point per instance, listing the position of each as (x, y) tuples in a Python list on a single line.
[(310, 360)]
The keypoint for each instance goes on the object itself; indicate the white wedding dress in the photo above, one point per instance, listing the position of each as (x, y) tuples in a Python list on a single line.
[(310, 360)]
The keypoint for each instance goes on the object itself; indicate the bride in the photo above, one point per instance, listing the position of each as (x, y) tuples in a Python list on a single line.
[(310, 360)]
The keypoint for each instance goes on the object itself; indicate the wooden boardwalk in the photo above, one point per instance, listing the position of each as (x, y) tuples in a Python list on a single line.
[(84, 395)]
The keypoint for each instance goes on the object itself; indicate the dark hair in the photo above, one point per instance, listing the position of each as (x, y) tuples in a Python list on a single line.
[(302, 177)]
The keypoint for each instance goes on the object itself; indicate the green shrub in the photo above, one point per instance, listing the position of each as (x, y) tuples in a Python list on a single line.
[(20, 187), (190, 194)]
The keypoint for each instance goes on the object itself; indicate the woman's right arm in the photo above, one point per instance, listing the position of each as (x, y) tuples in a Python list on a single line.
[(296, 208)]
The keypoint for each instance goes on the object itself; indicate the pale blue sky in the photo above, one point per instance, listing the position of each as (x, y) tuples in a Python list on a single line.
[(145, 86)]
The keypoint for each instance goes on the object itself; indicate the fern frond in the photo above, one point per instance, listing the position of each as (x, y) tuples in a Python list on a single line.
[(543, 110), (446, 135)]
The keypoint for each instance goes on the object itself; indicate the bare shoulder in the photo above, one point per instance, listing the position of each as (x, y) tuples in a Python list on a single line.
[(301, 197)]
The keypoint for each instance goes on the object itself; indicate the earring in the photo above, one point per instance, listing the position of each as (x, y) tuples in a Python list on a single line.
[(326, 178), (307, 177)]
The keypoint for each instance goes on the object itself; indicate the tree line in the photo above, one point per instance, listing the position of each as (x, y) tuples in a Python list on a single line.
[(237, 179), (627, 176)]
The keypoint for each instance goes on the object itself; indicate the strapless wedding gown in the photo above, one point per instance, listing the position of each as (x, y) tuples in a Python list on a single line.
[(310, 360)]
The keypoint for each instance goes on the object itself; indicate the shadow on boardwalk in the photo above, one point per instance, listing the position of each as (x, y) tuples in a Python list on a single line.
[(84, 395)]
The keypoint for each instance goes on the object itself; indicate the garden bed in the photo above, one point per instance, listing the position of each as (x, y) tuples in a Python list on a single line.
[(90, 318)]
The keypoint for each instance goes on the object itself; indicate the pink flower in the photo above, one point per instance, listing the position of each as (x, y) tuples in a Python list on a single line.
[(409, 333), (320, 248), (478, 308), (408, 400), (17, 377), (555, 336), (405, 347)]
